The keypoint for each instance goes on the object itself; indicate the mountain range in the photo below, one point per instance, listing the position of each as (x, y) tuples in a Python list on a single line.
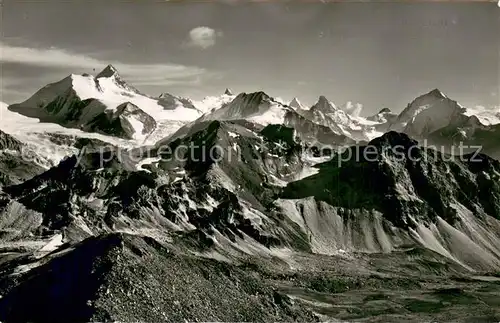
[(120, 206)]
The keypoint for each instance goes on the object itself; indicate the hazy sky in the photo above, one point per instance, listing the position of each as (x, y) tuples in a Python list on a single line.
[(378, 54)]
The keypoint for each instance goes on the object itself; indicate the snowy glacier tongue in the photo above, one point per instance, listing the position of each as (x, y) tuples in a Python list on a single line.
[(37, 134)]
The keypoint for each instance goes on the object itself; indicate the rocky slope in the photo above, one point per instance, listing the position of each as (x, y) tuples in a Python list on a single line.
[(18, 162), (408, 195), (127, 121)]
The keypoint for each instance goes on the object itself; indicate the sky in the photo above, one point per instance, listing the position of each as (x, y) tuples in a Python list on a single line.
[(381, 54)]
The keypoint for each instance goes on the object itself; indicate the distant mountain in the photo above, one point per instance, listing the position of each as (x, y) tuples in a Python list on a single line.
[(210, 103), (172, 102), (77, 100), (325, 113), (429, 112), (444, 122), (383, 119), (258, 107), (53, 142), (295, 103)]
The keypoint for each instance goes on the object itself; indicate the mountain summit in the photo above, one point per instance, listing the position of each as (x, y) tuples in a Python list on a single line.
[(295, 103), (436, 93), (108, 71)]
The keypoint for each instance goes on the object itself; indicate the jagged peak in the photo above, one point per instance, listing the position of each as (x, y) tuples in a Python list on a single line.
[(322, 99), (165, 95), (127, 106), (228, 92), (323, 105), (430, 98), (254, 96), (108, 71), (436, 93), (8, 141), (295, 103)]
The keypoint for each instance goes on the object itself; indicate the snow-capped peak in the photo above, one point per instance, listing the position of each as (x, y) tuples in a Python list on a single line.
[(257, 107), (78, 98), (228, 92), (169, 102), (255, 97), (424, 102), (322, 100), (430, 112), (108, 71), (324, 105), (295, 103), (437, 93), (211, 103)]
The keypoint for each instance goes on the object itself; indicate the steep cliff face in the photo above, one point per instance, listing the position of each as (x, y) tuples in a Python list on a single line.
[(404, 192), (18, 162), (127, 121)]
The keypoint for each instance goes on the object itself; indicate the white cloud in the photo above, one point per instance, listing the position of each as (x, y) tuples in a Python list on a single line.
[(145, 74), (203, 37), (353, 109)]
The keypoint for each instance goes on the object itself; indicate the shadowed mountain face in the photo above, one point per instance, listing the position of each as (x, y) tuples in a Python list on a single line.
[(125, 122), (116, 270), (17, 161), (403, 181)]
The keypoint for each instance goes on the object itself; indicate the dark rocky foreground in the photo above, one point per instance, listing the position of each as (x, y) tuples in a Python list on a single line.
[(121, 277), (128, 278)]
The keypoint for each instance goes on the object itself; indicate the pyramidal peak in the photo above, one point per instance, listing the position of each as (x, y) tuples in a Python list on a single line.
[(295, 103), (254, 96), (323, 100), (111, 72), (228, 92), (324, 105), (108, 71), (436, 93)]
